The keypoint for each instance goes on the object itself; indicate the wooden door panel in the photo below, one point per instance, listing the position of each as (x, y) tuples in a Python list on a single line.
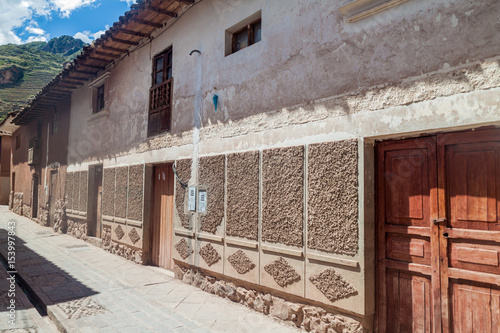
[(410, 299), (409, 249), (407, 187), (475, 308), (473, 185), (475, 257)]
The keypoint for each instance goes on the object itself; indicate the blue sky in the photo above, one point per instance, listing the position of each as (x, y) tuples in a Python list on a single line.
[(23, 21)]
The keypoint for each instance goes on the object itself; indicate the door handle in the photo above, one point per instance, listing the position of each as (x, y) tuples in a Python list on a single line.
[(438, 221)]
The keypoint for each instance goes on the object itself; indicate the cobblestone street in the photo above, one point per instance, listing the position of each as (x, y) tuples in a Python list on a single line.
[(85, 289)]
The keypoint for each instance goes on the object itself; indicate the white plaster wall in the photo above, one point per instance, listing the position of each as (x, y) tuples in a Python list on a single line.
[(421, 67), (307, 53)]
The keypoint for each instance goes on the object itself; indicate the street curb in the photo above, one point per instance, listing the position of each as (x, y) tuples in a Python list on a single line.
[(56, 316)]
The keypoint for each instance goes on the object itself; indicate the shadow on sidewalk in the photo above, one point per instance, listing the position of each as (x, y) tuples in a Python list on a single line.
[(46, 283)]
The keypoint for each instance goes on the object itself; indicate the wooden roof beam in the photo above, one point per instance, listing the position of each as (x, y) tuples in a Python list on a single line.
[(113, 49), (122, 41), (100, 68), (163, 12), (84, 72), (149, 23), (134, 33), (108, 55), (76, 78)]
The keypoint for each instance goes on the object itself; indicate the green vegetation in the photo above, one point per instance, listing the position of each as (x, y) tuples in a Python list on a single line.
[(26, 69)]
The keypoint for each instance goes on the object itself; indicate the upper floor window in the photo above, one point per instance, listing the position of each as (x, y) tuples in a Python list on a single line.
[(100, 99), (247, 36), (18, 141), (99, 93), (160, 94), (244, 34)]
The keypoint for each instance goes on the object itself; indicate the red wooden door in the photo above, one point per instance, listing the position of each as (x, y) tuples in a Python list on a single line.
[(162, 223), (469, 197), (439, 234), (408, 253)]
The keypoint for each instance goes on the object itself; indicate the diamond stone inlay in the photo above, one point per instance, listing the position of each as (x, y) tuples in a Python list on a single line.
[(332, 285), (240, 261), (282, 272), (209, 254)]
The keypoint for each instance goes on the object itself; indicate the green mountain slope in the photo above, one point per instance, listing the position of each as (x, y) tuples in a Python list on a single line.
[(26, 69)]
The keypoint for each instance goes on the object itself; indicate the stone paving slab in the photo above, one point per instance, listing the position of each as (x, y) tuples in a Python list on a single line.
[(87, 289), (27, 318)]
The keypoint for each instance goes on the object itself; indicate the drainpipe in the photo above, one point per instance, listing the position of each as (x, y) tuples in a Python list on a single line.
[(46, 165), (197, 105)]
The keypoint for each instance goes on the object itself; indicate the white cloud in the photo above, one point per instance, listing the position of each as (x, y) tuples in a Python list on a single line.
[(34, 29), (67, 6), (15, 13), (129, 2), (83, 36), (88, 36), (36, 39)]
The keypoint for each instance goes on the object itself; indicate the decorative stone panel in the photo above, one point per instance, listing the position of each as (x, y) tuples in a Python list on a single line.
[(333, 197), (332, 285), (119, 232), (209, 254), (135, 192), (121, 192), (243, 195), (83, 186), (212, 175), (282, 196), (134, 235), (183, 248), (282, 272), (108, 192), (183, 168), (68, 189), (241, 262)]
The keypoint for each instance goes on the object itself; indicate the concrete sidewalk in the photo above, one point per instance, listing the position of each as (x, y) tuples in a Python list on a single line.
[(86, 289)]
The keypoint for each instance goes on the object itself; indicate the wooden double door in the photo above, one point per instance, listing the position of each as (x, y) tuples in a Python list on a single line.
[(438, 233)]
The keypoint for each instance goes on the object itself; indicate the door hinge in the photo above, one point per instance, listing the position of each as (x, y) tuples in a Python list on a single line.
[(438, 221)]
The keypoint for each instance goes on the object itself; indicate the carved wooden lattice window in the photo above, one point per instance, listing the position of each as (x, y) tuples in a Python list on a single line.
[(160, 94)]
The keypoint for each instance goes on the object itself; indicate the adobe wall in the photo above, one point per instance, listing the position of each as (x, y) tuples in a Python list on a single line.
[(287, 160)]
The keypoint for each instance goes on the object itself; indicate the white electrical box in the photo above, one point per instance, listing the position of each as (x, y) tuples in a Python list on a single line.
[(192, 199), (202, 201)]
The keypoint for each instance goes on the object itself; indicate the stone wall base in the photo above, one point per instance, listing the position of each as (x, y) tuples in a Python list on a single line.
[(310, 318), (43, 216), (77, 228), (60, 219), (120, 249), (17, 203), (27, 211)]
